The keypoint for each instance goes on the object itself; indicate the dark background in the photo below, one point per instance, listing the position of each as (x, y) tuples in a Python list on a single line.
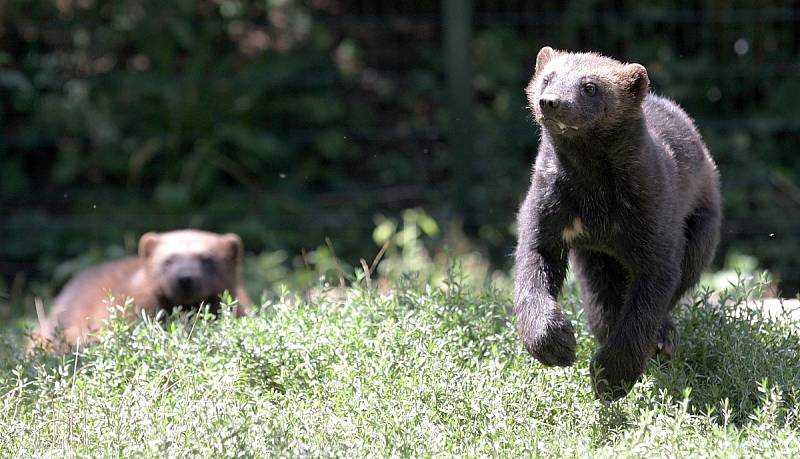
[(290, 122)]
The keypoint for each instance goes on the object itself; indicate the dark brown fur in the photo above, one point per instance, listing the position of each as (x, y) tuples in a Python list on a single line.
[(185, 267), (625, 188)]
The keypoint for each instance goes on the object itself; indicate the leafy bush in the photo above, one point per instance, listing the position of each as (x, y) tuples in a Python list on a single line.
[(291, 121)]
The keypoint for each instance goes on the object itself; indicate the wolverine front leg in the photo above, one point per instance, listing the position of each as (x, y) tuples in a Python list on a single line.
[(620, 362), (244, 303), (541, 264), (546, 333), (604, 283)]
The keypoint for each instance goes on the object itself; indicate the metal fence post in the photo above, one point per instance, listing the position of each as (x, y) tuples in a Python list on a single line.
[(457, 24)]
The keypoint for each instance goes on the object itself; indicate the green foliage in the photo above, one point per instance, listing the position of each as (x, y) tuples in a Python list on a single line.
[(414, 248), (130, 116), (287, 122), (418, 372), (404, 248)]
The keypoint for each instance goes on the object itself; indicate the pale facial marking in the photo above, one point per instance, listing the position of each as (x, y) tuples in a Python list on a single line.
[(187, 242), (573, 231)]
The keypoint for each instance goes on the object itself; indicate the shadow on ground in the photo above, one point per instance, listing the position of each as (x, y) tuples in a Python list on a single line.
[(734, 353)]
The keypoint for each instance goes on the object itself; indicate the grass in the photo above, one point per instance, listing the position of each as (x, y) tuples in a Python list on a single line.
[(417, 372)]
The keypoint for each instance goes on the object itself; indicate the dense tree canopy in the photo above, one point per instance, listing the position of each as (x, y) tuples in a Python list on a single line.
[(292, 121)]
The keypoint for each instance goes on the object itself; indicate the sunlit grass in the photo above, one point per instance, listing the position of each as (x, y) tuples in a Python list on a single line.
[(417, 372)]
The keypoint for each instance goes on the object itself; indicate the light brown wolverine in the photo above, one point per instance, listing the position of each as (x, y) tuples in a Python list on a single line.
[(185, 267)]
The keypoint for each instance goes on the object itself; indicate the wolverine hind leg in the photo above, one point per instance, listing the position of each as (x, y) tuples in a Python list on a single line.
[(701, 233)]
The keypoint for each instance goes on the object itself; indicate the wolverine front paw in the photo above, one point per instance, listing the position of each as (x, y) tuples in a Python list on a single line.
[(668, 338), (614, 372), (551, 340)]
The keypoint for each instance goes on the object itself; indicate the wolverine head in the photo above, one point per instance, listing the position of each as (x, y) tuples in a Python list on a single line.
[(191, 266), (573, 94)]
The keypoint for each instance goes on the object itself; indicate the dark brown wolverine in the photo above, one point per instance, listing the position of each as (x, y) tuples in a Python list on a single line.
[(624, 187)]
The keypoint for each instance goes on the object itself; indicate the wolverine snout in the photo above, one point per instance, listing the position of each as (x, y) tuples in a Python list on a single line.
[(185, 280), (549, 102), (186, 283)]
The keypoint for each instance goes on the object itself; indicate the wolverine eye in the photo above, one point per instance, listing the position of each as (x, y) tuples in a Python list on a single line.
[(545, 81), (207, 261), (589, 89)]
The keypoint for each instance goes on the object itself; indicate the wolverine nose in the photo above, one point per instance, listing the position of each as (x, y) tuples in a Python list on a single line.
[(185, 282), (549, 102)]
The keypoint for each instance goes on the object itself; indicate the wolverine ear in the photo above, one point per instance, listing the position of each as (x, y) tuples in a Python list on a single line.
[(147, 243), (233, 245), (634, 77), (545, 55)]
